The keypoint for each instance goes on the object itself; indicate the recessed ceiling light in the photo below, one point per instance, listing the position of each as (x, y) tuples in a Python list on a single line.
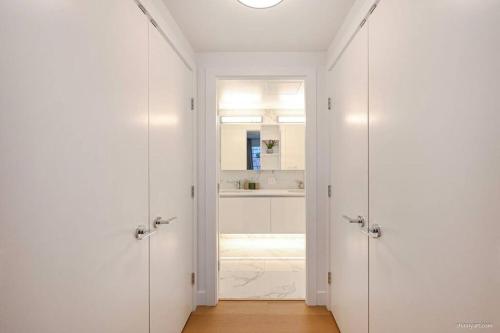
[(260, 4)]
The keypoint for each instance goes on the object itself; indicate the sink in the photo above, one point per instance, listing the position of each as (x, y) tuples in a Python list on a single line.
[(262, 193)]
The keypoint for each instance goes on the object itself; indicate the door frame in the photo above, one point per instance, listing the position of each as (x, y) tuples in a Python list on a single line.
[(194, 173), (211, 173)]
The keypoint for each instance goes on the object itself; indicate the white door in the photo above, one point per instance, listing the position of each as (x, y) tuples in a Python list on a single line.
[(73, 170), (434, 166), (349, 174), (170, 179)]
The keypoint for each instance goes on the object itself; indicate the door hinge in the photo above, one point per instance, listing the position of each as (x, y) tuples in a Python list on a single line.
[(192, 191), (192, 104), (218, 187), (329, 103), (329, 191), (372, 8), (141, 7), (218, 265), (329, 277), (193, 278), (155, 24)]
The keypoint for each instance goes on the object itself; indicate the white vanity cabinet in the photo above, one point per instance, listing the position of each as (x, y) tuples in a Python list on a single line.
[(262, 215), (293, 147), (244, 215), (288, 215)]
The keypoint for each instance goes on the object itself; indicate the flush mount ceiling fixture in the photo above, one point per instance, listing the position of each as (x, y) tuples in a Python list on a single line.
[(260, 4)]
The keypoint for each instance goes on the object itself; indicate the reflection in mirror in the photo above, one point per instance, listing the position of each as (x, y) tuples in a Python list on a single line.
[(253, 150), (253, 113)]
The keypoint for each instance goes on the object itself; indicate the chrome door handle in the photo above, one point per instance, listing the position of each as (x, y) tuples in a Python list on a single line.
[(159, 221), (373, 231), (359, 220), (141, 232)]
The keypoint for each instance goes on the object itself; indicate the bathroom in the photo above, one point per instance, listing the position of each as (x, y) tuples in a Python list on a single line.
[(262, 129)]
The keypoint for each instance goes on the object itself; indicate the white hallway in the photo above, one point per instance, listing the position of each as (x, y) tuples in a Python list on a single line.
[(109, 163)]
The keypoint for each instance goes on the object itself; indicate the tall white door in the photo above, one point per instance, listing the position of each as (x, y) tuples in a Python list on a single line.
[(349, 174), (170, 173), (73, 170), (435, 166)]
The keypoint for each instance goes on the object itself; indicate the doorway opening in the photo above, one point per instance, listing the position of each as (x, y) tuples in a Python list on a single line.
[(261, 197)]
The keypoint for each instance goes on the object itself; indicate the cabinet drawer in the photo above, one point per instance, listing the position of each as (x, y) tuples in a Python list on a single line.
[(288, 215), (244, 215)]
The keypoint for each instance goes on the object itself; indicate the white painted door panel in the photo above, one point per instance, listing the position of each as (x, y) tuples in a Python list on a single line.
[(288, 215), (349, 174), (434, 165), (170, 156), (244, 215), (73, 170)]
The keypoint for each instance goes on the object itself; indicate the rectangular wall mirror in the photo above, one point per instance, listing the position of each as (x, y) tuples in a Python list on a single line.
[(253, 150), (262, 147)]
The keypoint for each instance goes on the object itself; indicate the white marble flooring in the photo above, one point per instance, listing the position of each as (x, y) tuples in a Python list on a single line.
[(262, 266)]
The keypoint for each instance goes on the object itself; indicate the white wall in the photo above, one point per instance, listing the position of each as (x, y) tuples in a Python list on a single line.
[(260, 62)]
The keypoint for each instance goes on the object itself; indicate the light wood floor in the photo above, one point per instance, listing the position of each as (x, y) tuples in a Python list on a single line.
[(261, 317)]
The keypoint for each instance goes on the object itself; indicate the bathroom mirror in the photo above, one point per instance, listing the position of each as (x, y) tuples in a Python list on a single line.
[(262, 146), (253, 150)]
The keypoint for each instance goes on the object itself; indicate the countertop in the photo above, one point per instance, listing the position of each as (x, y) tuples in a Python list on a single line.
[(232, 193)]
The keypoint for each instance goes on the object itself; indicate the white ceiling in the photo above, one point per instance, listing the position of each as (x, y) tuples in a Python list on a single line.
[(226, 25)]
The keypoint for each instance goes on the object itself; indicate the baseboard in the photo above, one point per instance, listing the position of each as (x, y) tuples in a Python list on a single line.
[(201, 297), (322, 297)]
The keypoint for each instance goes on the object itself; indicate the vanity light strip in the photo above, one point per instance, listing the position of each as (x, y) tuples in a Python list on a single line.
[(240, 119), (291, 119), (261, 258)]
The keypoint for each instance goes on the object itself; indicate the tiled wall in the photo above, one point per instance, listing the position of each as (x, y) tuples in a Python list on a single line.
[(266, 179)]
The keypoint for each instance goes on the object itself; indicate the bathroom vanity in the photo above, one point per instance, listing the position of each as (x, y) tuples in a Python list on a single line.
[(262, 211)]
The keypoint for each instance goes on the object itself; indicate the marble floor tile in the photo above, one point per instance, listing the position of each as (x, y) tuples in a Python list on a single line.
[(262, 267)]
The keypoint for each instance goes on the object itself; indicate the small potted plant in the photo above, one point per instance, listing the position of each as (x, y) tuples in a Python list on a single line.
[(270, 145)]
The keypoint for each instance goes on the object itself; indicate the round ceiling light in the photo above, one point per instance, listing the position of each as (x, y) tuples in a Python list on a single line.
[(260, 4)]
